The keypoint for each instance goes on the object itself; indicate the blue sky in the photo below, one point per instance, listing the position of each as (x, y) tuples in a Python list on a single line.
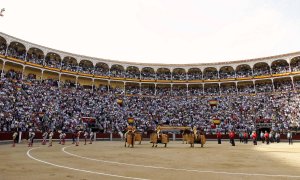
[(158, 31)]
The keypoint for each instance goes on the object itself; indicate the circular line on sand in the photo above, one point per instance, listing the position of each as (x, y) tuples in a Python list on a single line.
[(75, 169), (177, 169)]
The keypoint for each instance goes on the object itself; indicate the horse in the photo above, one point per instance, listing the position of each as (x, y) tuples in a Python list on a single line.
[(185, 136), (138, 137), (199, 139), (163, 138), (129, 139)]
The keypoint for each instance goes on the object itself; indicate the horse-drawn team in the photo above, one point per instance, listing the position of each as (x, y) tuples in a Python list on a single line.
[(159, 136)]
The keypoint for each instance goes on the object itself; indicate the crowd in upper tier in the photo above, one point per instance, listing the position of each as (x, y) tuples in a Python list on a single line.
[(101, 69), (39, 105)]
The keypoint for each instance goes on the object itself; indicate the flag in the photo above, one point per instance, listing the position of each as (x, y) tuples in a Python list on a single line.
[(213, 102)]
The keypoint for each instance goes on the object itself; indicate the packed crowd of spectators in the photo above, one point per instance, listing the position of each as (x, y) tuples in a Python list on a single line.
[(13, 52), (146, 74), (163, 76), (280, 69), (226, 75), (244, 72), (69, 65), (295, 66), (210, 75), (132, 74), (26, 103), (34, 58), (32, 104), (194, 75), (2, 48), (53, 62), (101, 71), (117, 73), (179, 76), (86, 69), (264, 70)]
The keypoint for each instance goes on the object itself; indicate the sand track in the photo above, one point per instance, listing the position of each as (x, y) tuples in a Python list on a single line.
[(111, 160)]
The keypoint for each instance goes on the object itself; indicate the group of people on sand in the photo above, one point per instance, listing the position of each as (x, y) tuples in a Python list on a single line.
[(265, 137), (62, 137)]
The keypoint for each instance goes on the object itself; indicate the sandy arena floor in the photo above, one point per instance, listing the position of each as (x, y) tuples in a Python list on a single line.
[(111, 160)]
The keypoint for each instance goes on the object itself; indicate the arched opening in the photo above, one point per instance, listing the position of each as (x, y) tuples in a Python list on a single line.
[(68, 81), (85, 83), (36, 56), (261, 69), (179, 74), (13, 71), (101, 86), (194, 74), (283, 84), (295, 64), (163, 74), (228, 88), (243, 71), (210, 73), (50, 78), (1, 65), (3, 45), (148, 89), (117, 71), (297, 82), (163, 90), (211, 89), (101, 69), (132, 72), (246, 87), (53, 60), (86, 66), (226, 72), (148, 73), (132, 88), (117, 87), (16, 50), (179, 90), (280, 66), (32, 73), (195, 89), (263, 86), (69, 64)]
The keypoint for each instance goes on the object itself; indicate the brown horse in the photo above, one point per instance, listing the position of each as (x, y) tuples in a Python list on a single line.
[(163, 138), (129, 139), (199, 139), (185, 136), (138, 137)]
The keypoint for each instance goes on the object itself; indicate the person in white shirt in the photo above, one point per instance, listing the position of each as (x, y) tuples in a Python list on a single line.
[(14, 136), (50, 138), (31, 137), (86, 134), (63, 138), (91, 137), (45, 135), (289, 136)]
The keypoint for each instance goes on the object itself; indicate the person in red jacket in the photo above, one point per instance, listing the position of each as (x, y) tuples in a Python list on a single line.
[(267, 137), (219, 137), (254, 138), (231, 137)]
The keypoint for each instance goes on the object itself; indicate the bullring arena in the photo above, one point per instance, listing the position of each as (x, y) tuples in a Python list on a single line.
[(111, 160), (47, 92)]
